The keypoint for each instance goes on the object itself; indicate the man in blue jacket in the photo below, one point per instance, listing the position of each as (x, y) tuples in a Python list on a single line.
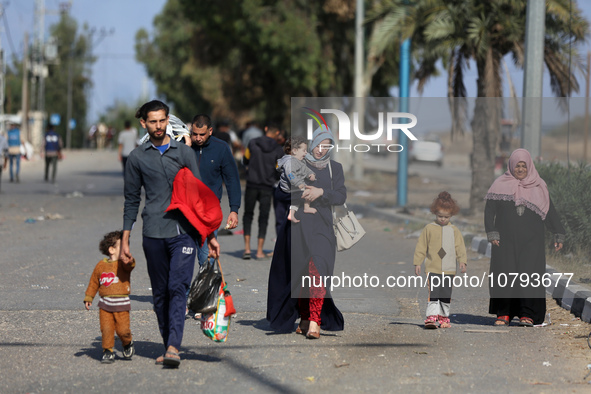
[(14, 151), (216, 165)]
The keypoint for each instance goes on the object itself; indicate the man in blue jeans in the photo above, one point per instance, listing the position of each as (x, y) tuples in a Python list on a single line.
[(14, 152), (169, 240)]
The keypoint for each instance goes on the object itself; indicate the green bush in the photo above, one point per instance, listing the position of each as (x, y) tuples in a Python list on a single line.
[(570, 191)]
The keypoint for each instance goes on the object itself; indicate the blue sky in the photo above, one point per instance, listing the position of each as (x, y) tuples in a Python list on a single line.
[(117, 75)]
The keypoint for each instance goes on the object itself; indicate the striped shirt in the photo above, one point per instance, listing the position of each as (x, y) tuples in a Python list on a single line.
[(115, 304)]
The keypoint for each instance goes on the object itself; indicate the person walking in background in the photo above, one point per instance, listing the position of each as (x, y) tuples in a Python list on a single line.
[(109, 138), (14, 151), (3, 155), (111, 279), (53, 152), (222, 134), (127, 141), (260, 157), (517, 211), (91, 138), (169, 239), (251, 132), (440, 246), (101, 135), (223, 129), (217, 167)]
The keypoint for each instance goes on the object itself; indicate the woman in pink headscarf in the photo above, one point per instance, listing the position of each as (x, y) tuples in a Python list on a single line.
[(518, 208)]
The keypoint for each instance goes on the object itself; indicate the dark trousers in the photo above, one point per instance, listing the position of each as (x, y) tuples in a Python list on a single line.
[(442, 288), (50, 161), (123, 162), (170, 264), (264, 197)]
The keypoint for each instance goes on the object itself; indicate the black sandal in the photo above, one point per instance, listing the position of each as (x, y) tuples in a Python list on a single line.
[(171, 359), (526, 322)]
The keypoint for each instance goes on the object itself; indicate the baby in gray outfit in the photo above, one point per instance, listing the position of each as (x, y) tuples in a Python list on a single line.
[(295, 172)]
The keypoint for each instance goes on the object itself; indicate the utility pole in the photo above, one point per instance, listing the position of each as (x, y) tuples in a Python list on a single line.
[(587, 107), (532, 81), (402, 138), (2, 76), (404, 92), (359, 104), (65, 8), (40, 41), (25, 90)]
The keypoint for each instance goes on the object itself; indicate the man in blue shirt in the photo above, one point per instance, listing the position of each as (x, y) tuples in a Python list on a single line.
[(14, 152), (216, 166), (169, 240)]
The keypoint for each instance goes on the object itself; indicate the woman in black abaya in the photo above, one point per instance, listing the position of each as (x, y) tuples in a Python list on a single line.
[(518, 208), (307, 249)]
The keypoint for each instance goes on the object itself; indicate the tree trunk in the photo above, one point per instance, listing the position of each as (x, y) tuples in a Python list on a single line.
[(485, 130)]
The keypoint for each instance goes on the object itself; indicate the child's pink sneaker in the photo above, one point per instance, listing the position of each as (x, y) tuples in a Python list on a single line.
[(444, 321), (431, 322)]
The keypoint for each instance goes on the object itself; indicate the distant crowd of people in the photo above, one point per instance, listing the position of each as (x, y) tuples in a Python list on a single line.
[(13, 147)]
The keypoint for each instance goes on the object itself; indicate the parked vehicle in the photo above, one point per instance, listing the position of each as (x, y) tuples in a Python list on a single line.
[(427, 149)]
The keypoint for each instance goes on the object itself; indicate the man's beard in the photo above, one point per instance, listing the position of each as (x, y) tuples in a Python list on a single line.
[(158, 138)]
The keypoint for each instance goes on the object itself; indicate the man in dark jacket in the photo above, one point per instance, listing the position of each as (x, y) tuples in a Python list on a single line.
[(261, 157), (53, 151), (216, 166)]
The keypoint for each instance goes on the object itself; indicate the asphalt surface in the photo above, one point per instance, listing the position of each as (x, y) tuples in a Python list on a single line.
[(49, 238)]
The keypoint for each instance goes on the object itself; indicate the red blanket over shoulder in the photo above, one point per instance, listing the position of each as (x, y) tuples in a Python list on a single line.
[(197, 202)]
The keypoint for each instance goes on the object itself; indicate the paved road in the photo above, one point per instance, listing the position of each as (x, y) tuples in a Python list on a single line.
[(49, 343)]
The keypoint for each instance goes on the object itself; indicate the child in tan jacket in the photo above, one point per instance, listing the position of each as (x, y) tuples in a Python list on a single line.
[(111, 279), (441, 246)]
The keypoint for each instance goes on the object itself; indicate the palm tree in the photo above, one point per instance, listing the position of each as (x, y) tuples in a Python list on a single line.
[(484, 31)]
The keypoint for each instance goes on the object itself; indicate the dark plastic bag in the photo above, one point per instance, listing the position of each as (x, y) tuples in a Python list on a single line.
[(205, 289)]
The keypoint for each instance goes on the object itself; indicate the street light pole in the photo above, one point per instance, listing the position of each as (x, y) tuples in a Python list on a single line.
[(25, 91), (532, 81), (2, 76), (359, 104), (69, 104)]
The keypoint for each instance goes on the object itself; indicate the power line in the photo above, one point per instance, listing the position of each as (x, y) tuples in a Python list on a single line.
[(8, 35)]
